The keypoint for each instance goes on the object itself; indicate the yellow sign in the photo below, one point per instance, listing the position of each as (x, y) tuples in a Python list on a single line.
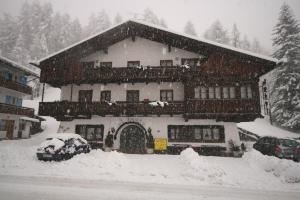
[(160, 144)]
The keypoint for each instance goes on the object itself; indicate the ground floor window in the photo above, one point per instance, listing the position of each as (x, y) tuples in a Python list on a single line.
[(90, 132), (196, 133), (2, 125)]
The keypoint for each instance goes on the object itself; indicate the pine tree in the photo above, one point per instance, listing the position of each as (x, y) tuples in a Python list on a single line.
[(190, 29), (149, 16), (256, 47), (163, 23), (217, 33), (245, 44), (235, 36), (8, 34), (285, 94), (118, 19), (97, 23)]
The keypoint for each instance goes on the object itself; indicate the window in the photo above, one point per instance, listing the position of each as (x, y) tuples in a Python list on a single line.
[(85, 95), (218, 92), (133, 63), (189, 61), (106, 64), (197, 92), (2, 124), (225, 93), (166, 95), (243, 92), (211, 92), (105, 96), (166, 63), (90, 132), (8, 99), (8, 75), (132, 96), (19, 102), (249, 92), (203, 93), (23, 80), (196, 133), (232, 92), (22, 125)]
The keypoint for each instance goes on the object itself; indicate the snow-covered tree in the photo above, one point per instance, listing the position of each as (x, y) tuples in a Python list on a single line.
[(285, 94), (20, 53), (118, 19), (8, 34), (217, 33), (149, 16), (256, 47), (97, 23), (235, 36), (190, 29), (245, 44), (163, 23)]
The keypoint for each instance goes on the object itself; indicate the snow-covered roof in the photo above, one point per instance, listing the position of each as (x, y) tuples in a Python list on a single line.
[(170, 31), (18, 66), (30, 119)]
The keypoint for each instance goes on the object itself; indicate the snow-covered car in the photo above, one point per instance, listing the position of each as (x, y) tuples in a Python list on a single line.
[(280, 147), (62, 146)]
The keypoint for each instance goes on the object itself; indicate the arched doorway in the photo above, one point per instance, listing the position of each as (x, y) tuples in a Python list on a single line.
[(132, 139)]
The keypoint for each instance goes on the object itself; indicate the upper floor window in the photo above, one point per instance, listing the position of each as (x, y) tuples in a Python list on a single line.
[(133, 63), (246, 92), (211, 92), (85, 95), (106, 64), (166, 95), (132, 96), (105, 96), (225, 93), (232, 92), (8, 75), (218, 93), (190, 61), (197, 92), (203, 93), (166, 63)]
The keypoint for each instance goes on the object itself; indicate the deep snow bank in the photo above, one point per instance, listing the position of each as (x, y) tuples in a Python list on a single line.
[(199, 167), (287, 170)]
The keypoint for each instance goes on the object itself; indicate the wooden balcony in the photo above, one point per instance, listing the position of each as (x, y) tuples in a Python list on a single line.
[(222, 110), (66, 109), (79, 74), (13, 85), (16, 110)]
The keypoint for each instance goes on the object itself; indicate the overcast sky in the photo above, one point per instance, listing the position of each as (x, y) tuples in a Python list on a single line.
[(256, 18)]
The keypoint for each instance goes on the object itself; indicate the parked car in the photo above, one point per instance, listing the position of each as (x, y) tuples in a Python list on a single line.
[(62, 146), (280, 147)]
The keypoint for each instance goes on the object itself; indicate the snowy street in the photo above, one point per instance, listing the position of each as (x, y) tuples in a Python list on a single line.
[(18, 187)]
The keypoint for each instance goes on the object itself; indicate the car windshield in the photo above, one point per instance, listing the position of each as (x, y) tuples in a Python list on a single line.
[(288, 143)]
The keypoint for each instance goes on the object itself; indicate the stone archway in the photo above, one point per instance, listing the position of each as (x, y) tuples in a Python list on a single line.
[(133, 139)]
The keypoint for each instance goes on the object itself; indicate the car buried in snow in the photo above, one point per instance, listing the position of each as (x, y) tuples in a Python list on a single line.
[(286, 148), (62, 146)]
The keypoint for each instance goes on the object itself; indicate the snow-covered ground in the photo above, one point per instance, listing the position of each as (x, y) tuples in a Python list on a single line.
[(114, 175)]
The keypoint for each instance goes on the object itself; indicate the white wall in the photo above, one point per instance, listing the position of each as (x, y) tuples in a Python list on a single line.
[(149, 91), (16, 118), (159, 126), (146, 51)]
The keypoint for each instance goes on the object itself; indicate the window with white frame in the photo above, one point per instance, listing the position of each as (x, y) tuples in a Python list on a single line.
[(249, 92), (218, 93), (197, 92), (243, 92), (232, 92), (203, 93), (225, 93)]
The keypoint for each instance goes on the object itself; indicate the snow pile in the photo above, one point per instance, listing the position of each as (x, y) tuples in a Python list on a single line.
[(198, 167), (287, 170), (159, 103), (53, 142)]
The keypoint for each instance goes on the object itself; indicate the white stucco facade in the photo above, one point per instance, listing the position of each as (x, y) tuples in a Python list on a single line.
[(143, 50), (150, 91)]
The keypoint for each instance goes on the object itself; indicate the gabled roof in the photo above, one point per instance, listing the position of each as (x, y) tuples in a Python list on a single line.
[(164, 31), (18, 66)]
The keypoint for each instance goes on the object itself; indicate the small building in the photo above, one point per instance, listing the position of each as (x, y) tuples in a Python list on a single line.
[(15, 120), (137, 79)]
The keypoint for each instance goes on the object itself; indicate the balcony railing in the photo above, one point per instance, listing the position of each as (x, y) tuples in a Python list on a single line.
[(120, 108), (87, 74), (13, 85), (225, 110), (16, 110)]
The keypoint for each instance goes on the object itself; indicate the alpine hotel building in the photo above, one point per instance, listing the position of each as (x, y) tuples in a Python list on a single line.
[(136, 78)]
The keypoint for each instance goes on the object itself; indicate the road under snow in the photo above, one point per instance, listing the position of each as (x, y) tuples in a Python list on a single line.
[(31, 188)]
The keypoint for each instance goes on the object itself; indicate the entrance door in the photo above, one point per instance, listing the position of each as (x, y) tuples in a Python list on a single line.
[(132, 140), (9, 127)]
